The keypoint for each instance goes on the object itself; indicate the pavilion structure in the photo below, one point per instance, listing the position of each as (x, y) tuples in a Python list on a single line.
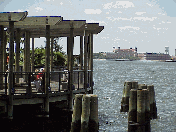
[(17, 25)]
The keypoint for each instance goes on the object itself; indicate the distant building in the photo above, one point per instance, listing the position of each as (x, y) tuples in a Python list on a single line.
[(166, 50), (154, 56)]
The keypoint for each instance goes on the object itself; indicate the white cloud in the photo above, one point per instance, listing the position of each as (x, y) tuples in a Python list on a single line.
[(139, 13), (149, 4), (92, 11), (145, 18), (38, 9), (129, 27), (119, 12), (107, 5), (118, 4)]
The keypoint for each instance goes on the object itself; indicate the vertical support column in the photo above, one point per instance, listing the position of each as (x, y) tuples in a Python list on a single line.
[(1, 54), (4, 53), (81, 59), (85, 61), (26, 65), (51, 61), (91, 61), (70, 68), (68, 51), (47, 70), (32, 64), (17, 57), (11, 59)]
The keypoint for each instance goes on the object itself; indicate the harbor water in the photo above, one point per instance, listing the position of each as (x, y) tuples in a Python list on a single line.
[(109, 78)]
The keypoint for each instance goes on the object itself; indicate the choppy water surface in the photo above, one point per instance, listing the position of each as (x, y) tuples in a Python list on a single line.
[(109, 77)]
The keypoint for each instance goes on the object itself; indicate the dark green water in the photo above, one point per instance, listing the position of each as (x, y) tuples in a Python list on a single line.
[(109, 77)]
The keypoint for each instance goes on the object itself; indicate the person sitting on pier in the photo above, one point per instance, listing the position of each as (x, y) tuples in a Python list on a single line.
[(42, 80), (37, 81)]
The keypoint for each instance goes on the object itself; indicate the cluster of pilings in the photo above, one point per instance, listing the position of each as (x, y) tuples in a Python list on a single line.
[(85, 113), (139, 101)]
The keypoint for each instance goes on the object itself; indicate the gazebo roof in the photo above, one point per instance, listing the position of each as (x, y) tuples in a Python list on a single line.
[(36, 25)]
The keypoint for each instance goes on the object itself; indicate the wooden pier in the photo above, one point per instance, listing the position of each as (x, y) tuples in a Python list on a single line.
[(17, 87)]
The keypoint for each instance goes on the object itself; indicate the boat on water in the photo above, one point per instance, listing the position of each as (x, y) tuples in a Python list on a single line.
[(170, 60), (123, 60)]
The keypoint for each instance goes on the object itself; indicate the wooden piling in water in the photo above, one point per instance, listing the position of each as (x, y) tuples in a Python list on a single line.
[(132, 115), (125, 97), (77, 110), (85, 113), (153, 108), (147, 110), (141, 110), (134, 85), (142, 86), (93, 120)]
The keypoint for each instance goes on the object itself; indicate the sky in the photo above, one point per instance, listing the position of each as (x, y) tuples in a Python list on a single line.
[(148, 25)]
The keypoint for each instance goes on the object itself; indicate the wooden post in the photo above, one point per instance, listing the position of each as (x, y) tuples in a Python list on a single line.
[(32, 64), (151, 89), (70, 69), (1, 54), (93, 120), (153, 108), (11, 60), (91, 61), (68, 51), (142, 86), (85, 113), (51, 61), (76, 117), (81, 59), (147, 110), (85, 61), (134, 85), (4, 53), (17, 67), (141, 110), (132, 115), (125, 97), (47, 71), (26, 65)]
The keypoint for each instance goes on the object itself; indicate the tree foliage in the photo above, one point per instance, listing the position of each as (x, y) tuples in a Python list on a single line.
[(59, 56)]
